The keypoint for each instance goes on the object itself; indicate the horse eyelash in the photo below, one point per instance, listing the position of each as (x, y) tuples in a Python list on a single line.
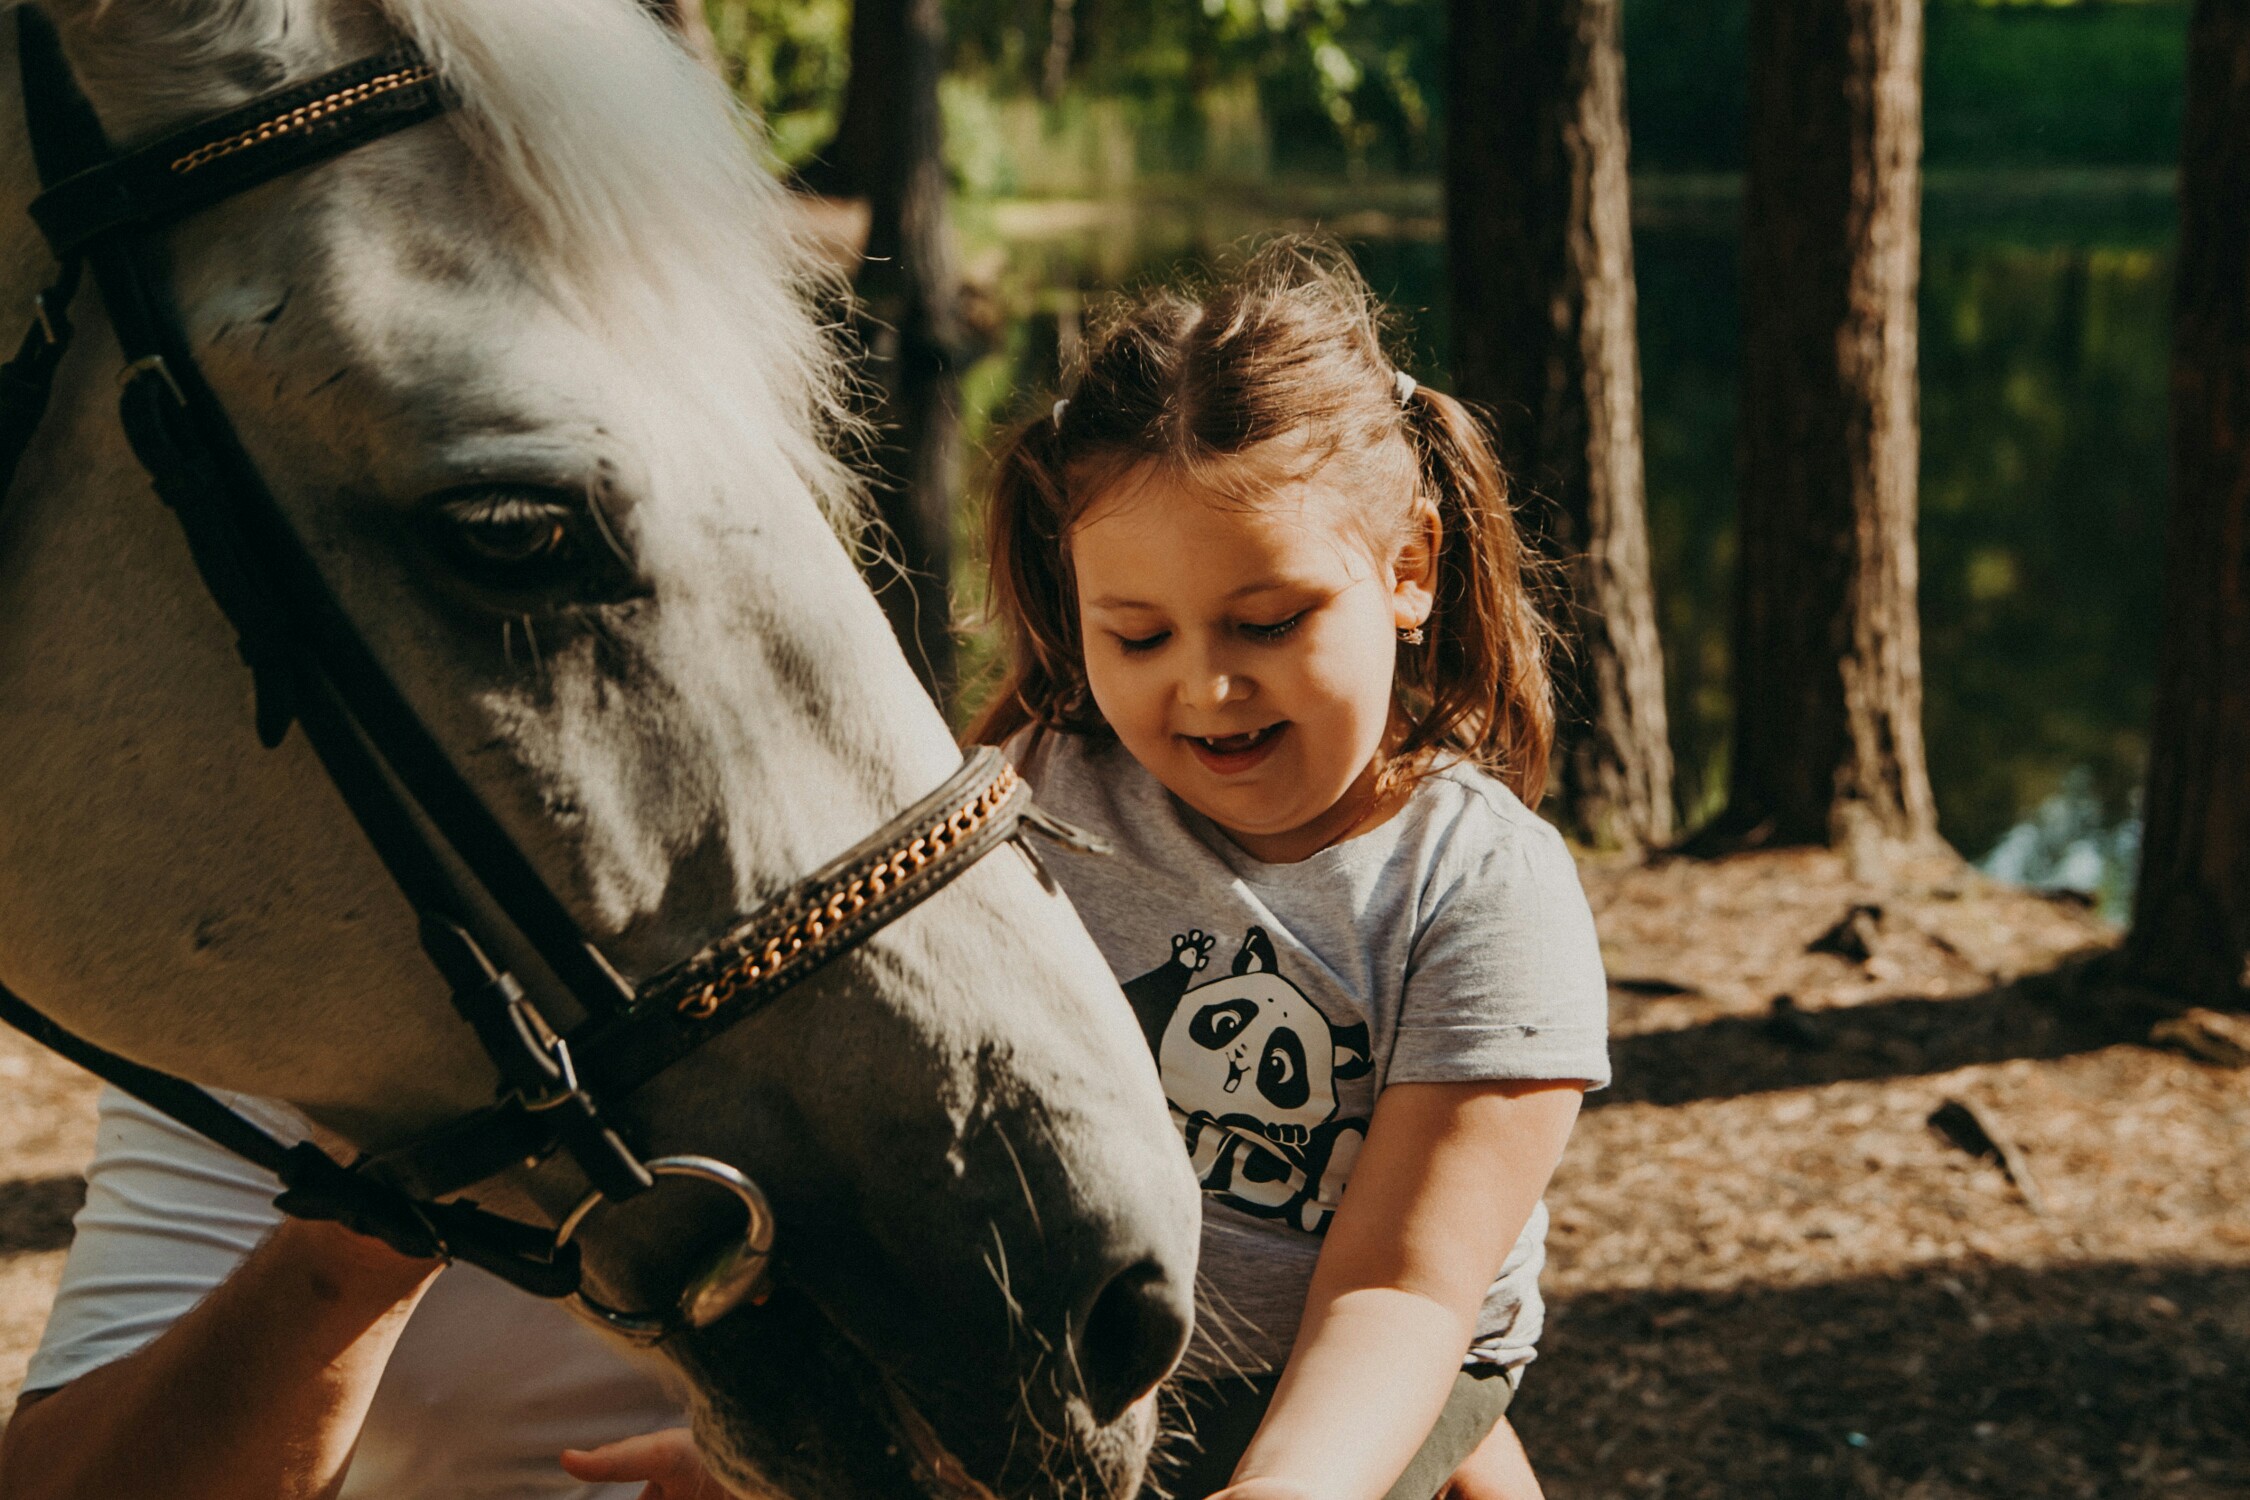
[(531, 641)]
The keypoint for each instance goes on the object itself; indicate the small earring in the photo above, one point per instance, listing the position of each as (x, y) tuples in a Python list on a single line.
[(1410, 636)]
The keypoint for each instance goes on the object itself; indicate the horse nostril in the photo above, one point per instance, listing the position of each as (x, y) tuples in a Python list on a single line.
[(1133, 1332)]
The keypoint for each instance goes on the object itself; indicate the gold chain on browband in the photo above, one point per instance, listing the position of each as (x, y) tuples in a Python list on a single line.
[(846, 897), (306, 116)]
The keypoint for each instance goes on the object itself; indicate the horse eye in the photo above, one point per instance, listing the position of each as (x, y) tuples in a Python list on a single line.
[(525, 548), (510, 531), (516, 540)]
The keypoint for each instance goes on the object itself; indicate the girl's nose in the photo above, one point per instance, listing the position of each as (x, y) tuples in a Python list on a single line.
[(1211, 689), (1209, 684)]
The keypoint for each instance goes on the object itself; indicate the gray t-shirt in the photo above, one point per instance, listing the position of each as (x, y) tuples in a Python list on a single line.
[(1449, 944)]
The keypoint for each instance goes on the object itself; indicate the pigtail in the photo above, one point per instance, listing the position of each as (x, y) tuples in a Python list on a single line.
[(1032, 594), (1478, 683)]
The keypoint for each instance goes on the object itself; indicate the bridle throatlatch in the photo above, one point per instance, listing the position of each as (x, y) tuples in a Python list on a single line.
[(101, 211)]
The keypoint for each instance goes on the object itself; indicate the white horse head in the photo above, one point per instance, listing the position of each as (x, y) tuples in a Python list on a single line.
[(538, 385)]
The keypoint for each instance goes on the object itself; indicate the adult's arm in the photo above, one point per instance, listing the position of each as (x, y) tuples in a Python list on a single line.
[(200, 1345), (256, 1393), (1447, 1180)]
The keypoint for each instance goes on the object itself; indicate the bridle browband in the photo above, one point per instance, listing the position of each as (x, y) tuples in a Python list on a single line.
[(100, 211)]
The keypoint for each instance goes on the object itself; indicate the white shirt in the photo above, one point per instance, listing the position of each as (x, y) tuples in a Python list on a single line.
[(487, 1384)]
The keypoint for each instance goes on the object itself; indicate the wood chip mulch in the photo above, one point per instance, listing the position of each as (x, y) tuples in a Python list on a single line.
[(1770, 1274)]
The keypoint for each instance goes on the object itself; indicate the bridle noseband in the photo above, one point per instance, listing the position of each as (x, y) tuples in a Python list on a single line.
[(100, 211)]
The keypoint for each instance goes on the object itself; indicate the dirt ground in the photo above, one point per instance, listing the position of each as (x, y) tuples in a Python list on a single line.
[(1770, 1275), (46, 1136)]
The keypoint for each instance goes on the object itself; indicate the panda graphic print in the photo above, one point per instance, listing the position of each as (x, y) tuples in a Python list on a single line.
[(1250, 1066)]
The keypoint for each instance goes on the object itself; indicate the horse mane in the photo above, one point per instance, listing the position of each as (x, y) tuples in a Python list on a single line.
[(640, 195)]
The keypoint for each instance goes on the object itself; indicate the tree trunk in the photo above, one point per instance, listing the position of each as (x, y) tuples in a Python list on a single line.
[(1062, 38), (1538, 224), (910, 324), (2191, 923), (1827, 645), (847, 166)]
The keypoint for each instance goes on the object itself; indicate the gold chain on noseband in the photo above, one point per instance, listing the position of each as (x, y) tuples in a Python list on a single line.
[(305, 116), (846, 898)]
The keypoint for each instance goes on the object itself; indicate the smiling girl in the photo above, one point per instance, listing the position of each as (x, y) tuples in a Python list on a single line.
[(1270, 637)]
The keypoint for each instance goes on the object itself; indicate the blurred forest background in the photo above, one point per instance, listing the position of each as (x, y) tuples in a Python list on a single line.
[(1912, 1183), (1095, 143)]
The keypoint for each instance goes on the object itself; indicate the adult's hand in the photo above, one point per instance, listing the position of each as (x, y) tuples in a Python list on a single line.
[(666, 1461), (256, 1393)]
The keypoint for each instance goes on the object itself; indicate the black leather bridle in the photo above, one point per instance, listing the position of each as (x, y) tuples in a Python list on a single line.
[(101, 210)]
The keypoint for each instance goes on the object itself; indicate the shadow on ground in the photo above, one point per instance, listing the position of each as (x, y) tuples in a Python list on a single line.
[(35, 1213), (1993, 1382), (2056, 1014)]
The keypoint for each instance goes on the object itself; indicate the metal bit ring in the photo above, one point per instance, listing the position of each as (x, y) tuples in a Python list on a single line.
[(739, 1273)]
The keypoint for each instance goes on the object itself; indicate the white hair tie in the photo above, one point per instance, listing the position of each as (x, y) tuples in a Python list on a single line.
[(1406, 386), (1056, 415)]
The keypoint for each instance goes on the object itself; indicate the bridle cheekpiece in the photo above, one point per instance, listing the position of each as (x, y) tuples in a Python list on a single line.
[(101, 210)]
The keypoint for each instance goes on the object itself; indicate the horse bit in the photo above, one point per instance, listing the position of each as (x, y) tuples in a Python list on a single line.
[(101, 210)]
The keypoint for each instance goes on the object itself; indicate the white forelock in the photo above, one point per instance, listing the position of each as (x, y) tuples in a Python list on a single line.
[(641, 195)]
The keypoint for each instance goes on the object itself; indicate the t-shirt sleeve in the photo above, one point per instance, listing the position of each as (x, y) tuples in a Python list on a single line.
[(1505, 979), (168, 1217)]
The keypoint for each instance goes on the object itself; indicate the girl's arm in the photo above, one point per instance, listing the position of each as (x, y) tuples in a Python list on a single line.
[(1448, 1177)]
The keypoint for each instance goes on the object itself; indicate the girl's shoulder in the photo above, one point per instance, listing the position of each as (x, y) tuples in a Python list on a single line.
[(1475, 818), (1473, 851), (1505, 978)]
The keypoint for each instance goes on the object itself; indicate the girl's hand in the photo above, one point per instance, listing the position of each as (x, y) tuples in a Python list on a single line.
[(666, 1460)]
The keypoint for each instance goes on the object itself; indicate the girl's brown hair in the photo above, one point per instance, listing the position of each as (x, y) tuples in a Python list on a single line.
[(1288, 345)]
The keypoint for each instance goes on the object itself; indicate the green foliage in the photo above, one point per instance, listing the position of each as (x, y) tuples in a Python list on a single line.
[(2082, 84), (788, 60), (1340, 84), (1238, 89), (2006, 82)]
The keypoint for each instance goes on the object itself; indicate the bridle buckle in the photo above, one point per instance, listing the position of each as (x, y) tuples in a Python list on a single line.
[(147, 364), (549, 1055)]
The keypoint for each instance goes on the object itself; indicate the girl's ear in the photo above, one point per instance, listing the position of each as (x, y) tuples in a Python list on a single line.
[(1414, 571)]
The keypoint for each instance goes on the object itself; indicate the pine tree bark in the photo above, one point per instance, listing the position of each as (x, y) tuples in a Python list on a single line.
[(878, 65), (1062, 41), (2191, 923), (909, 322), (1827, 643), (1539, 231)]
